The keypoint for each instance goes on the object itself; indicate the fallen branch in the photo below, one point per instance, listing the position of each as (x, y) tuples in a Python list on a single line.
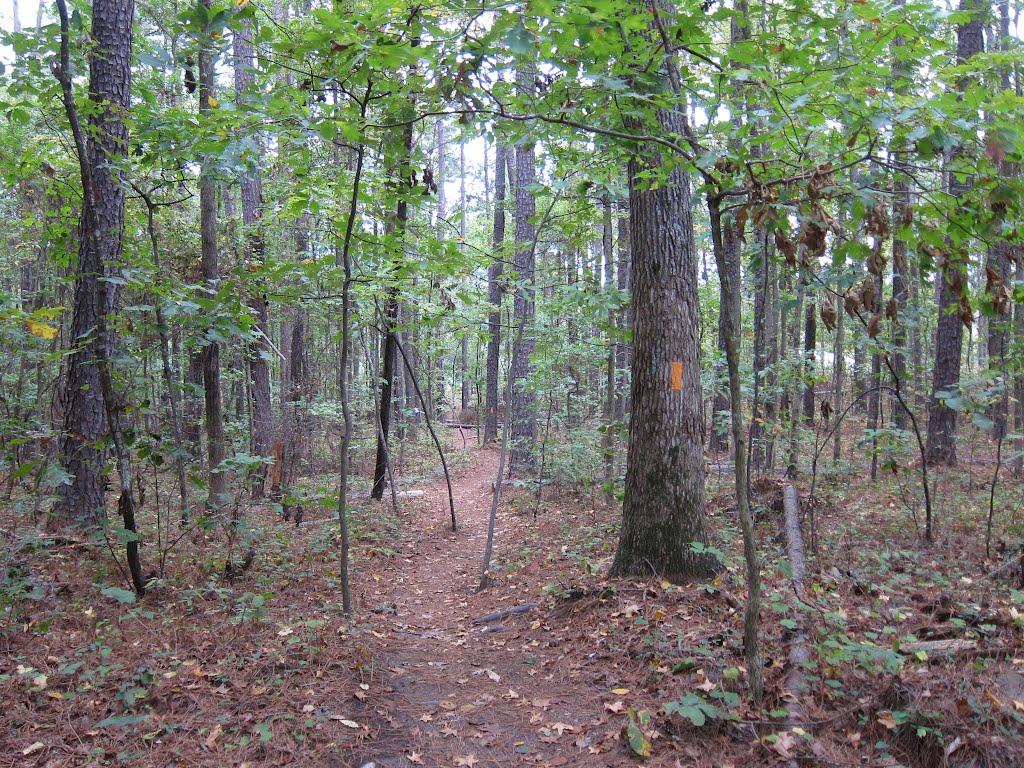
[(1007, 566), (507, 612), (939, 647)]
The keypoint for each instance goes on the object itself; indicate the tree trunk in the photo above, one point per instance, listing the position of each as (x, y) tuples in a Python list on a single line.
[(719, 439), (875, 397), (258, 353), (799, 361), (663, 507), (464, 389), (110, 76), (1018, 386), (998, 274), (390, 321), (810, 358), (623, 322), (839, 385), (952, 290), (521, 457), (104, 143), (494, 271), (607, 243), (762, 295), (901, 213), (216, 442)]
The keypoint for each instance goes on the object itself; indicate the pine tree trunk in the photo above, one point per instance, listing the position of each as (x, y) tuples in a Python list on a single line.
[(941, 445), (521, 456), (216, 441), (762, 343), (1018, 385), (663, 506), (811, 361), (624, 323), (390, 321), (875, 397), (608, 248), (494, 272), (83, 452), (838, 385), (719, 432), (998, 274), (799, 361), (259, 352), (464, 389), (901, 213)]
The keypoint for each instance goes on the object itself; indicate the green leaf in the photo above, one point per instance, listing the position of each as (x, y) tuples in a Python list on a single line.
[(121, 721), (519, 39), (981, 421), (637, 741), (125, 537), (122, 596)]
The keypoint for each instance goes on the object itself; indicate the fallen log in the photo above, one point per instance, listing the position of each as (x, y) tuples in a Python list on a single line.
[(491, 617)]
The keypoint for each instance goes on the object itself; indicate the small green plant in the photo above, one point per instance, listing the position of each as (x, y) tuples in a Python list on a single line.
[(251, 607), (698, 710)]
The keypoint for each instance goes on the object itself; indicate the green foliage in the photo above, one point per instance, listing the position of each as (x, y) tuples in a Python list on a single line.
[(698, 710)]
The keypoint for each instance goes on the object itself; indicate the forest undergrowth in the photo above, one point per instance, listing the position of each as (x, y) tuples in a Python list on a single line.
[(917, 656)]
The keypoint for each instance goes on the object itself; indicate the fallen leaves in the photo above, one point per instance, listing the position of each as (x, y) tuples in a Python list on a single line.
[(211, 740), (784, 743), (468, 761)]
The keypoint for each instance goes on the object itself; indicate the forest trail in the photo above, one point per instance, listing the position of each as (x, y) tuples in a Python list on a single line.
[(453, 693)]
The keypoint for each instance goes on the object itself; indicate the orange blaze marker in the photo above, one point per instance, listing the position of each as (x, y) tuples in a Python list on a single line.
[(677, 376)]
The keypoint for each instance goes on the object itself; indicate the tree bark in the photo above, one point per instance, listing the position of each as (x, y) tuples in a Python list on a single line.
[(494, 273), (607, 244), (521, 457), (105, 143), (875, 397), (112, 29), (762, 309), (216, 441), (838, 385), (663, 506), (258, 353), (900, 289), (390, 320), (941, 445), (464, 389), (810, 358), (799, 360), (623, 322), (719, 439)]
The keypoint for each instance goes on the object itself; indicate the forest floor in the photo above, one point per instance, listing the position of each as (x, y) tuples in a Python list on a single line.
[(264, 669)]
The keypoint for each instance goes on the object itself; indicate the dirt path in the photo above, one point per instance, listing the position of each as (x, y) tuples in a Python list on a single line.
[(453, 693)]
